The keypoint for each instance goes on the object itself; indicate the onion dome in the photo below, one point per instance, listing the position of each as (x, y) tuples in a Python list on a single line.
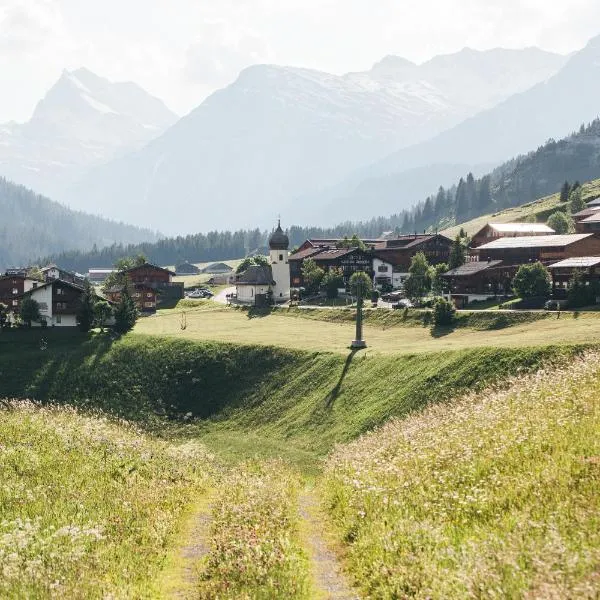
[(279, 240)]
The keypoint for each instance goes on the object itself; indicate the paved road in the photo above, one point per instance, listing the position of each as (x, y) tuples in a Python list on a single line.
[(221, 297)]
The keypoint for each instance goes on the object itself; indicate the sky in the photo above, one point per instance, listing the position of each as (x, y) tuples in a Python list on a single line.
[(182, 50)]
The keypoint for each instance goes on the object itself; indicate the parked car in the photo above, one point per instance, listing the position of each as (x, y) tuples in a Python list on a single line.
[(392, 297), (552, 305), (403, 303)]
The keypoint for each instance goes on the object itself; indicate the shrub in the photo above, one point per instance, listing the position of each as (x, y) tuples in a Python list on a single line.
[(444, 312), (532, 281)]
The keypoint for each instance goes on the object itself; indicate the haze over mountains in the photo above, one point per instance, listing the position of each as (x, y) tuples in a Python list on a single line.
[(83, 120), (278, 133)]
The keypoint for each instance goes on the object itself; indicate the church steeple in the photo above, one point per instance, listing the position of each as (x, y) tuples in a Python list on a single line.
[(279, 240)]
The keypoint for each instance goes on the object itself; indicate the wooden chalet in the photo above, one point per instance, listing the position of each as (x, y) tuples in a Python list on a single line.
[(158, 279), (563, 271), (12, 288), (586, 212), (545, 248), (58, 301), (493, 231), (589, 224)]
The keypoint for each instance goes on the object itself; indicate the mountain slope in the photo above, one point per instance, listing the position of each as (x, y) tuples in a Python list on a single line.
[(33, 226), (552, 108), (83, 120), (280, 132)]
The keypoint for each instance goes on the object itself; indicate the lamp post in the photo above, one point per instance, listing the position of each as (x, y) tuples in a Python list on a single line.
[(358, 343)]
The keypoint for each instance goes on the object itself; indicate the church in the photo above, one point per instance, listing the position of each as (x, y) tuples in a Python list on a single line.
[(265, 285)]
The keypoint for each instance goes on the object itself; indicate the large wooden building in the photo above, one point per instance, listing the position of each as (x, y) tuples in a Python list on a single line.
[(493, 231), (58, 301), (546, 248), (12, 288)]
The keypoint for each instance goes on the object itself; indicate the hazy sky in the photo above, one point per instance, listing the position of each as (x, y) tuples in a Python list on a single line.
[(181, 50)]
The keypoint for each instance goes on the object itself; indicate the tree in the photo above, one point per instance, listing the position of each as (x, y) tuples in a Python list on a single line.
[(29, 311), (438, 284), (332, 281), (353, 242), (103, 311), (3, 315), (462, 205), (35, 272), (130, 262), (312, 275), (360, 284), (125, 312), (251, 261), (576, 201), (565, 190), (418, 283), (261, 261), (560, 222), (85, 309), (532, 281), (444, 312), (457, 253)]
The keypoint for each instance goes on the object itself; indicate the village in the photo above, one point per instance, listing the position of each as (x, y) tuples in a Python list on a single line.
[(470, 272)]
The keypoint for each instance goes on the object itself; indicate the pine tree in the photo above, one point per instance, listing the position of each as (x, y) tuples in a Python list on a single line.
[(576, 201), (457, 253), (565, 190), (462, 207), (484, 197), (125, 312), (85, 310)]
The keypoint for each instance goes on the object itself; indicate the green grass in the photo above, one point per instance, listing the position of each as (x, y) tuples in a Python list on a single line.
[(88, 506), (306, 400), (494, 496), (386, 332), (539, 210)]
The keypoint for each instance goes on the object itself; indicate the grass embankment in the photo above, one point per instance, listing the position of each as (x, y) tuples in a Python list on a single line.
[(88, 506), (289, 402), (494, 496), (386, 332), (538, 210)]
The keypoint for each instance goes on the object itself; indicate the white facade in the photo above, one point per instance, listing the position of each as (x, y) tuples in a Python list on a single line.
[(280, 267), (43, 296), (383, 268), (246, 294)]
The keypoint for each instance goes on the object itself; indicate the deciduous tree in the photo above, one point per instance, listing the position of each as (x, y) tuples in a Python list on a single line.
[(532, 281)]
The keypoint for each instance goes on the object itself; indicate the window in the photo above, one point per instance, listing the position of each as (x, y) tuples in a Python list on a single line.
[(15, 303), (382, 269), (58, 319), (148, 295), (149, 304), (280, 257), (137, 295), (15, 291), (60, 292)]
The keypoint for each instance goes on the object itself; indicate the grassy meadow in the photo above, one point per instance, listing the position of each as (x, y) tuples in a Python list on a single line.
[(493, 496), (386, 332)]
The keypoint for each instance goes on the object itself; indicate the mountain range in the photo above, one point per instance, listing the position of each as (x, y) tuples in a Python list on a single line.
[(84, 120), (277, 134)]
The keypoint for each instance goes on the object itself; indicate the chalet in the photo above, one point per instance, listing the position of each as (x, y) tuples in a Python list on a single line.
[(479, 280), (12, 288), (59, 302), (589, 224), (493, 231), (158, 279), (144, 296), (99, 275), (593, 202), (586, 212), (545, 248), (186, 268), (217, 268), (52, 272), (349, 260), (562, 272)]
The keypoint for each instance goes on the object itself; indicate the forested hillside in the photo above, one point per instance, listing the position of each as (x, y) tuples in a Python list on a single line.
[(514, 183), (34, 226)]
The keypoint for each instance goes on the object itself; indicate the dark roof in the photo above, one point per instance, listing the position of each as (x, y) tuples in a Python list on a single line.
[(54, 282), (535, 241), (279, 240), (146, 265), (408, 241), (594, 202), (256, 275), (470, 268), (332, 254), (586, 212), (221, 266), (307, 253), (593, 218)]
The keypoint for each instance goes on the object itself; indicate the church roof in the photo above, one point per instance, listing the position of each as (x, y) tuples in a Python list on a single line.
[(279, 240), (256, 275)]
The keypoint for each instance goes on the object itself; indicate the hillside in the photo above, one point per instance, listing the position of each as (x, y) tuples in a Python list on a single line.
[(550, 109), (83, 120), (34, 226), (306, 129)]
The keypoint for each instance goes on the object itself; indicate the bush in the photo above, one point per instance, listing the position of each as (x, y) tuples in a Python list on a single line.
[(444, 312), (532, 281)]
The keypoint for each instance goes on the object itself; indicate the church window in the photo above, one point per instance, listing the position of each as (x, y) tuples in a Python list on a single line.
[(280, 257)]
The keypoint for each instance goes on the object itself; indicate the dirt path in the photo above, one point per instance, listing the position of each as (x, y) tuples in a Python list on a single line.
[(328, 579), (182, 574)]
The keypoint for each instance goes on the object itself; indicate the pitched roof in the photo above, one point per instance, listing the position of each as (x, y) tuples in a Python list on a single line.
[(146, 265), (586, 212), (54, 282), (408, 241), (521, 228), (470, 268), (594, 202), (332, 254), (256, 275), (593, 218), (535, 241), (577, 262), (306, 253)]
